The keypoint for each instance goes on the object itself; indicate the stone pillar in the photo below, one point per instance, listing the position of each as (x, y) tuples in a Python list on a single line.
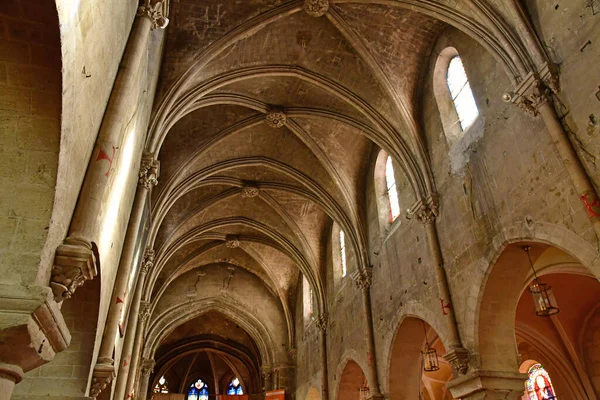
[(363, 282), (533, 95), (322, 325), (104, 370), (75, 259), (147, 369), (130, 387), (127, 365), (32, 331), (488, 385), (426, 211)]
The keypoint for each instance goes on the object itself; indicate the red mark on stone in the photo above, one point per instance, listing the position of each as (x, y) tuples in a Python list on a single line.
[(369, 358), (103, 156), (119, 300), (126, 362), (592, 204), (445, 307)]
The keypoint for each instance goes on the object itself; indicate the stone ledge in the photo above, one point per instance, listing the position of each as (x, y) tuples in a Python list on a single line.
[(32, 328)]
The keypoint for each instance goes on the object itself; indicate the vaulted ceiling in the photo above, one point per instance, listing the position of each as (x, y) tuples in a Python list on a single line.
[(266, 123)]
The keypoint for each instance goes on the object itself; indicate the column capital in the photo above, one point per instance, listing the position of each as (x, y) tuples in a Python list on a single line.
[(149, 171), (459, 360), (74, 263), (148, 261), (426, 210), (144, 310), (322, 322), (156, 12), (147, 366), (534, 90), (316, 8), (488, 385), (363, 279)]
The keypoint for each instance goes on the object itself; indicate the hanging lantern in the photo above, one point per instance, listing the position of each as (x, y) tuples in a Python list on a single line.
[(543, 297), (363, 391), (430, 358)]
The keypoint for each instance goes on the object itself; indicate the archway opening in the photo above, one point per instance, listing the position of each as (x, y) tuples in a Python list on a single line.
[(352, 381), (407, 378), (510, 331)]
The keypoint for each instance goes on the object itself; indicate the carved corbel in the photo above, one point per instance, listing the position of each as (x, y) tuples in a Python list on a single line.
[(363, 279), (149, 171), (156, 13), (147, 367), (426, 210), (102, 376), (534, 90), (74, 263)]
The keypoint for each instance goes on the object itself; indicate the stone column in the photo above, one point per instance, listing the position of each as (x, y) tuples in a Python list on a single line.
[(426, 211), (75, 260), (363, 282), (10, 375), (137, 348), (533, 95), (127, 365), (488, 385), (104, 370), (322, 325), (147, 369)]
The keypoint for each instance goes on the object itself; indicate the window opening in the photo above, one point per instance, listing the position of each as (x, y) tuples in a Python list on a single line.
[(198, 391), (162, 386), (539, 386), (460, 91), (235, 388), (307, 298), (343, 253), (392, 191)]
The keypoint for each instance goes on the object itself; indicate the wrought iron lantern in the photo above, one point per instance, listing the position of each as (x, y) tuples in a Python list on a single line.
[(363, 391), (543, 297), (430, 358)]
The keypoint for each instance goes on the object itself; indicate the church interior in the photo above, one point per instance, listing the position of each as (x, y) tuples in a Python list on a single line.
[(300, 199)]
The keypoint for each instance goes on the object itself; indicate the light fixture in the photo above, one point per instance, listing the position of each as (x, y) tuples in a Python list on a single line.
[(543, 297), (363, 391), (430, 358)]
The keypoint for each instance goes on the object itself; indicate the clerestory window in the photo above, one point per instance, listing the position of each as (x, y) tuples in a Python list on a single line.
[(460, 91)]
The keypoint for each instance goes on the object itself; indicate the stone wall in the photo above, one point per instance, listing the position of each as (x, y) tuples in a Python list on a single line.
[(510, 177), (30, 93)]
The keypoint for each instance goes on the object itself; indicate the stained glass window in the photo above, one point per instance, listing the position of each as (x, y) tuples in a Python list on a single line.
[(539, 385), (343, 253), (235, 387), (392, 191), (461, 93), (162, 386), (198, 391)]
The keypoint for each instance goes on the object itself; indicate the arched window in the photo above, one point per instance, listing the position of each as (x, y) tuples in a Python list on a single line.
[(392, 191), (198, 391), (307, 299), (162, 386), (234, 387), (343, 253), (460, 91), (539, 385)]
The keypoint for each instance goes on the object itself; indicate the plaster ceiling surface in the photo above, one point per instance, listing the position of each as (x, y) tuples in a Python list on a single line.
[(236, 191)]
